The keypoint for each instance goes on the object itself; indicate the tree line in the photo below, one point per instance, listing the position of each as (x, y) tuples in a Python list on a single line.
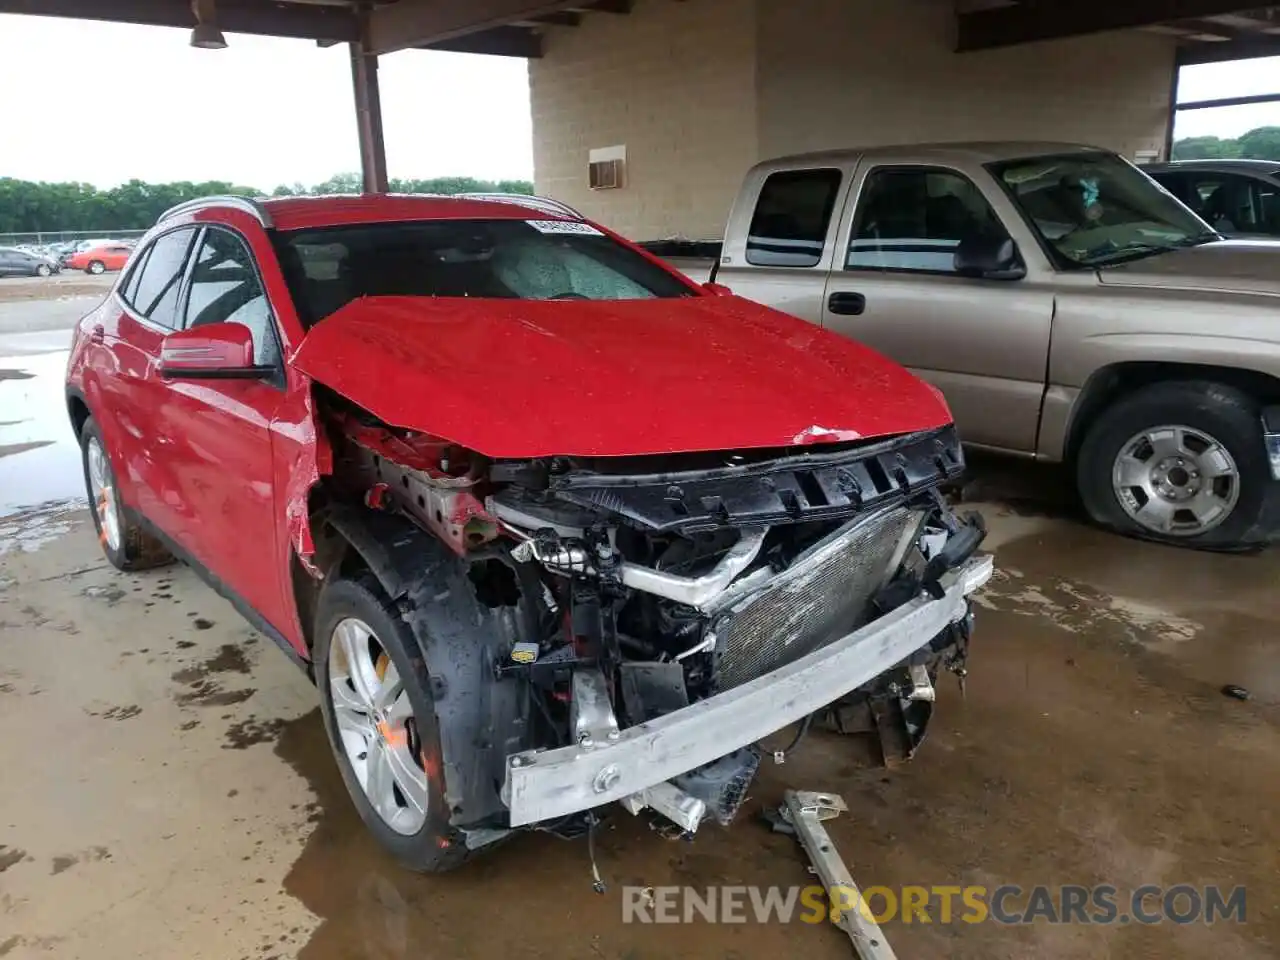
[(1262, 143), (31, 207)]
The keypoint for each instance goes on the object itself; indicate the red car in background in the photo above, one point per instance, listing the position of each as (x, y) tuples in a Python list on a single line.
[(111, 256), (551, 526)]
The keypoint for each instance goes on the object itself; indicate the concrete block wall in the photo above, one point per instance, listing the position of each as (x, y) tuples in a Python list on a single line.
[(845, 73), (699, 90), (675, 82)]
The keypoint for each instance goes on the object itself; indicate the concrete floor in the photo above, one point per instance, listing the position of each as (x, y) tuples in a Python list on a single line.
[(167, 790)]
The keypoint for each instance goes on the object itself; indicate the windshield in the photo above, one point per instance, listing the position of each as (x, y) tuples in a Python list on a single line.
[(1093, 209), (494, 259)]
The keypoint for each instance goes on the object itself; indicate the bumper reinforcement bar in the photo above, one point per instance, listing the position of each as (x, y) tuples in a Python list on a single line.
[(548, 784)]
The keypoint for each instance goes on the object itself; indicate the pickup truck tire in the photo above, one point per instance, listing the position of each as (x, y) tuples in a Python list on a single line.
[(1119, 468), (366, 659), (127, 544)]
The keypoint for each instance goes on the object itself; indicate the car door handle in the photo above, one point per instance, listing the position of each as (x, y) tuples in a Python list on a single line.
[(847, 304), (98, 334)]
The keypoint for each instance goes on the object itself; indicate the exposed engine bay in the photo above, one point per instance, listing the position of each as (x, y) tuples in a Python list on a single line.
[(624, 590)]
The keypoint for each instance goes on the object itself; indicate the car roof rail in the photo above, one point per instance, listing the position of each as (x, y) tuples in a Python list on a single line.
[(243, 204), (541, 204)]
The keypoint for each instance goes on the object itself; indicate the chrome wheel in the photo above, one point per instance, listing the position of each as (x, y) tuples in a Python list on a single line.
[(103, 494), (96, 267), (377, 727), (1176, 481), (43, 271)]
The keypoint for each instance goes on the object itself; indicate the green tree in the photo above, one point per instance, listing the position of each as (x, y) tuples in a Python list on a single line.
[(1205, 148), (29, 207), (1261, 144)]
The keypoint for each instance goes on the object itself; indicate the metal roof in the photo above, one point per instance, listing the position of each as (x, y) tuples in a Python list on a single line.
[(1205, 30)]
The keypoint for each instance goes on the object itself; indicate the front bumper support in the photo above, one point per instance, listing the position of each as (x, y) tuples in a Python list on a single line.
[(549, 784)]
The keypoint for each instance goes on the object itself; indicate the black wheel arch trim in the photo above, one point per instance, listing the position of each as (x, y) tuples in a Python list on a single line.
[(461, 640), (74, 394), (1107, 384)]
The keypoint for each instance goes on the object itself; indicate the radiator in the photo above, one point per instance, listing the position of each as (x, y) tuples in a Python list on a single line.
[(822, 596)]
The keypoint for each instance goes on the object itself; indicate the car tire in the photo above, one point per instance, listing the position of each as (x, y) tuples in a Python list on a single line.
[(1196, 452), (411, 728), (43, 270), (95, 267), (127, 545)]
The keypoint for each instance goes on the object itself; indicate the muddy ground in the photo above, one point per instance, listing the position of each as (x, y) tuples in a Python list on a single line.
[(166, 789), (60, 286)]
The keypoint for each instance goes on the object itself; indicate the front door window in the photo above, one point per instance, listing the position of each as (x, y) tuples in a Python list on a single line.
[(914, 219)]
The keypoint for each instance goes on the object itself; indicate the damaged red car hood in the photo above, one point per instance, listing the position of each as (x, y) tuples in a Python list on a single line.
[(523, 378)]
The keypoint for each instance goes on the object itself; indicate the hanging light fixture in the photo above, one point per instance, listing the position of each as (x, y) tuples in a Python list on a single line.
[(206, 35)]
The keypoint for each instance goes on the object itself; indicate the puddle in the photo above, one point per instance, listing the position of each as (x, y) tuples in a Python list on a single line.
[(39, 457), (1214, 617), (371, 907), (203, 681), (31, 530)]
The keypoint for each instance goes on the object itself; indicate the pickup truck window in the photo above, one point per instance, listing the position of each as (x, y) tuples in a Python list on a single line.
[(789, 226), (914, 218), (1091, 209), (495, 259)]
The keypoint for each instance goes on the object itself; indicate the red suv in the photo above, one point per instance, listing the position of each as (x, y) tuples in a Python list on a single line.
[(551, 526)]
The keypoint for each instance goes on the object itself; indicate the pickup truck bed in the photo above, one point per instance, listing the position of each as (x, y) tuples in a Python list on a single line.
[(693, 258)]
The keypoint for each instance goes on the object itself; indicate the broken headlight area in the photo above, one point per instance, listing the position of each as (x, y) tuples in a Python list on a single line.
[(647, 585)]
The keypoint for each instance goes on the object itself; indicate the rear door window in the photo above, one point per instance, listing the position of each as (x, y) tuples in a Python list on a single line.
[(129, 290), (160, 282), (789, 226)]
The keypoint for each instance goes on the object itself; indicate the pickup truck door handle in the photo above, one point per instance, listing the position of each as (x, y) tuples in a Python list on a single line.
[(848, 304)]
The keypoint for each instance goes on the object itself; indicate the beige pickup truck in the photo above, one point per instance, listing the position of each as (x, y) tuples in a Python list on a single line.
[(1068, 307)]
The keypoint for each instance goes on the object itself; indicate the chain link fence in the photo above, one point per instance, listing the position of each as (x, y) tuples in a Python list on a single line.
[(45, 237)]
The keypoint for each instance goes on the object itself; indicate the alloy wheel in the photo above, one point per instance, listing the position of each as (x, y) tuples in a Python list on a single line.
[(1176, 481), (103, 493), (376, 725)]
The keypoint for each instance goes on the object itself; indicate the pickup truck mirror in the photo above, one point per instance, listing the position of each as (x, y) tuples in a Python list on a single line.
[(989, 258), (211, 351)]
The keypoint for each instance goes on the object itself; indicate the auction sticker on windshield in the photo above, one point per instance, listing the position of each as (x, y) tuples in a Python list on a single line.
[(564, 226)]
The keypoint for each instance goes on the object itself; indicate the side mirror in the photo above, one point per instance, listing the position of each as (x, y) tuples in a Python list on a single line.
[(989, 258), (213, 351), (717, 289)]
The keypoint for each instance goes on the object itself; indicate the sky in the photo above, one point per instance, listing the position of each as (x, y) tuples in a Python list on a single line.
[(1213, 81), (104, 103)]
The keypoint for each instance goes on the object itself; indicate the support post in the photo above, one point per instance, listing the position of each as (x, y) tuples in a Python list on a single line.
[(1172, 121), (373, 150)]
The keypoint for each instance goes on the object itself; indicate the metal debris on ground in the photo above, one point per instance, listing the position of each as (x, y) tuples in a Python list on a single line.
[(803, 813)]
